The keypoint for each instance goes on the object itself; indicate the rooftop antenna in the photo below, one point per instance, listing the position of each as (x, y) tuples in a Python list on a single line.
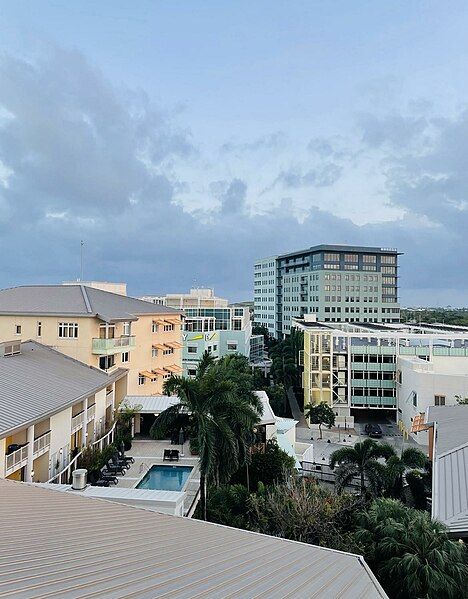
[(81, 260)]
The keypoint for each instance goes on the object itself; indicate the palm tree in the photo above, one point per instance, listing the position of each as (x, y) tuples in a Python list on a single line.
[(361, 462), (219, 417), (396, 467), (412, 555)]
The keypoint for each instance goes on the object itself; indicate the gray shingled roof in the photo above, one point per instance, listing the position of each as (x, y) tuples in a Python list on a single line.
[(75, 300), (450, 466), (69, 546), (40, 382)]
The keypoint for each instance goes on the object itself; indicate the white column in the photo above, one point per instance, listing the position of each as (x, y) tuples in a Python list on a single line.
[(29, 465), (85, 422)]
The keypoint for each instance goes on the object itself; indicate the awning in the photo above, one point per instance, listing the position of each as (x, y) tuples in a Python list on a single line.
[(159, 346), (173, 320), (418, 425), (158, 320), (173, 344), (148, 375), (173, 368), (159, 371)]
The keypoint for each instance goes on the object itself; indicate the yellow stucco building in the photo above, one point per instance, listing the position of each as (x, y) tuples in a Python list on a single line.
[(105, 330)]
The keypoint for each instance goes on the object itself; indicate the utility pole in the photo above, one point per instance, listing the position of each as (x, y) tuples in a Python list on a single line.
[(81, 259)]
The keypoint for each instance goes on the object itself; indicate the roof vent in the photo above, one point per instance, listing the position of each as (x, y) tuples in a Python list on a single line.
[(10, 348), (79, 479)]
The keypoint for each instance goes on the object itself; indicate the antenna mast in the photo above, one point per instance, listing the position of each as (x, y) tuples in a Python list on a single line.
[(81, 259)]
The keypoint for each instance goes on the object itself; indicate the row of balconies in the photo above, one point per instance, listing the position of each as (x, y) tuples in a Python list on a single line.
[(19, 458)]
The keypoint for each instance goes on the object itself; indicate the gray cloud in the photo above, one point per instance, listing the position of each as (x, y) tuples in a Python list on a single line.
[(269, 141), (83, 160)]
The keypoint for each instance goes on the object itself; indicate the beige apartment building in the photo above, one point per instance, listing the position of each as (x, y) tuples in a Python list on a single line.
[(102, 329), (50, 407)]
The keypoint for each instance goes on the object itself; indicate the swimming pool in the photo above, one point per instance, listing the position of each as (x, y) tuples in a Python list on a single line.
[(165, 478)]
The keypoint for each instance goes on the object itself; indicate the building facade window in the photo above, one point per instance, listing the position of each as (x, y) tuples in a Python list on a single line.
[(39, 329), (126, 329), (68, 330), (168, 327), (154, 327), (106, 362), (18, 329), (141, 379), (192, 349), (232, 345), (154, 352), (125, 357), (439, 400)]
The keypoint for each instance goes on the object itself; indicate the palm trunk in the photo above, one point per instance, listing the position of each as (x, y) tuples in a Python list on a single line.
[(203, 495), (363, 486), (320, 429)]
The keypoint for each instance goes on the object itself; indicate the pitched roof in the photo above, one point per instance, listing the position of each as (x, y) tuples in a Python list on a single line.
[(73, 546), (450, 466), (40, 382), (75, 300)]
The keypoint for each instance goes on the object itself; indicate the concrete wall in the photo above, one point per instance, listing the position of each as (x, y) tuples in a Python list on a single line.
[(446, 376)]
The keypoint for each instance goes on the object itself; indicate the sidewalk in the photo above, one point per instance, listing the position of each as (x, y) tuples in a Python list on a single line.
[(295, 410)]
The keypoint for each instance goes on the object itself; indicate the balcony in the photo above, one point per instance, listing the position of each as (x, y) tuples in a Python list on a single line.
[(41, 445), (110, 399), (15, 460), (77, 422), (91, 412), (117, 345)]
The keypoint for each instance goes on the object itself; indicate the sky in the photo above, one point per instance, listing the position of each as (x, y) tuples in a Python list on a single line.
[(183, 140)]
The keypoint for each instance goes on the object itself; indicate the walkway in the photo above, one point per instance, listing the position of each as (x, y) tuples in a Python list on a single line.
[(295, 410)]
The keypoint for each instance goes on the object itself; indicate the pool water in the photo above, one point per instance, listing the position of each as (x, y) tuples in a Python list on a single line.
[(165, 478)]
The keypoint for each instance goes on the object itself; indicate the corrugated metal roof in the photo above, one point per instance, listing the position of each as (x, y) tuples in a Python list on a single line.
[(151, 404), (124, 493), (67, 546), (40, 382), (450, 466), (75, 300)]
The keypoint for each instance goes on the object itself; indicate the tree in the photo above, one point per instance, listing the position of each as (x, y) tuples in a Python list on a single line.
[(412, 555), (360, 462), (221, 418), (285, 366), (304, 511), (228, 505), (273, 466), (320, 414), (396, 467)]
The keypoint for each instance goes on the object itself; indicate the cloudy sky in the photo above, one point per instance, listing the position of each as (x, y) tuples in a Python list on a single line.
[(183, 140)]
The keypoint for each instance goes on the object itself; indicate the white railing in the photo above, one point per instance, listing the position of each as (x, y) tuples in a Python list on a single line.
[(109, 399), (66, 472), (77, 422), (41, 444), (16, 459), (91, 412)]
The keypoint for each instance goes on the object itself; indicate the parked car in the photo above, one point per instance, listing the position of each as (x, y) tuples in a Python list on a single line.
[(373, 430)]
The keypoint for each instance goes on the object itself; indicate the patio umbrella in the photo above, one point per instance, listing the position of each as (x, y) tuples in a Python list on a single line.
[(181, 441)]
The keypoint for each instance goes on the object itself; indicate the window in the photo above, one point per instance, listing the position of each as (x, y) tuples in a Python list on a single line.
[(232, 345), (126, 329), (106, 362), (439, 400), (168, 351), (68, 330), (192, 371), (192, 349), (126, 357), (154, 327), (39, 329), (154, 352), (168, 327), (18, 329), (141, 379)]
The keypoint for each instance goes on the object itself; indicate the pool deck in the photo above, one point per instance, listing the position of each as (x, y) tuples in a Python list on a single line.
[(148, 453)]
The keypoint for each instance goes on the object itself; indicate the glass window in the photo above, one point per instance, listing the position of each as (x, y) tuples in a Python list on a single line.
[(125, 357), (141, 379), (192, 349), (68, 330), (39, 329), (18, 329), (439, 400)]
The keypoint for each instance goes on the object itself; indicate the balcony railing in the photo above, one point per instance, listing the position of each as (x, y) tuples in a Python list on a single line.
[(107, 347), (16, 459), (77, 422), (109, 399), (41, 444), (91, 412)]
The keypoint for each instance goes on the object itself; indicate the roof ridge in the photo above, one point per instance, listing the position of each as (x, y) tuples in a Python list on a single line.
[(453, 450), (86, 299)]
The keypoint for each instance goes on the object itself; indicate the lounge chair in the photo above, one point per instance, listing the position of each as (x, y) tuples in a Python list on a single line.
[(126, 458), (114, 468), (167, 455), (174, 455), (110, 477), (102, 482), (118, 462)]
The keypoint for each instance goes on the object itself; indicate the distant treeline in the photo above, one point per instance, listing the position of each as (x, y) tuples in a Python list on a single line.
[(446, 316)]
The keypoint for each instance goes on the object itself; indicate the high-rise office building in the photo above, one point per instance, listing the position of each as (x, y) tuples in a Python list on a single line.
[(337, 283)]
